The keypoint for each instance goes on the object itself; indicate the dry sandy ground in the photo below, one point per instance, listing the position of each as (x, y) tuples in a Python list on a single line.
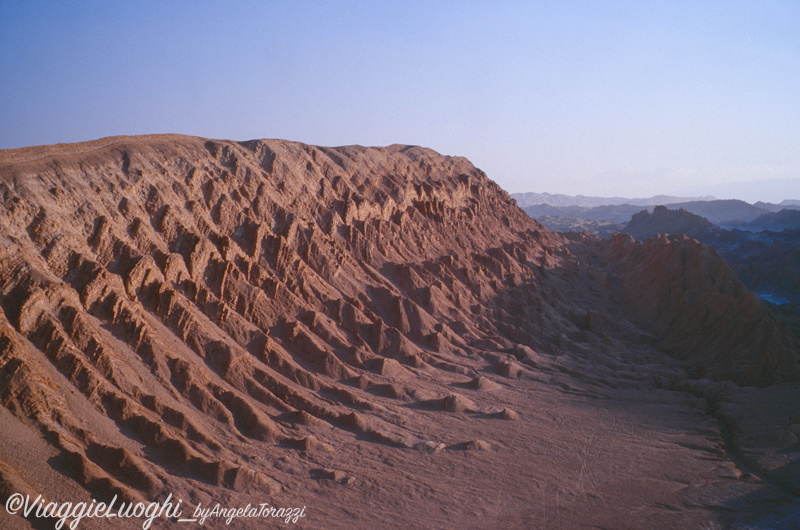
[(578, 455)]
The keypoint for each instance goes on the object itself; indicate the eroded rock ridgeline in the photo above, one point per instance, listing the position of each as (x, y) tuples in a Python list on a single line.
[(165, 300), (686, 295)]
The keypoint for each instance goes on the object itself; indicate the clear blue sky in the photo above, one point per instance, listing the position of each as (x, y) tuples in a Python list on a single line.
[(598, 97)]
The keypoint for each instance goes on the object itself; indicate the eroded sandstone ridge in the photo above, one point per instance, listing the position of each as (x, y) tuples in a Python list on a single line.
[(268, 320)]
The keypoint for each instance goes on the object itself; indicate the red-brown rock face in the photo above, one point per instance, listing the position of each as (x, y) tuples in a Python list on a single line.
[(197, 316), (684, 293)]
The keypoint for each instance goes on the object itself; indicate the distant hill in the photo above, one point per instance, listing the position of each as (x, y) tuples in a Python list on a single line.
[(729, 212), (776, 221), (665, 221), (769, 206), (577, 224), (610, 213), (537, 211)]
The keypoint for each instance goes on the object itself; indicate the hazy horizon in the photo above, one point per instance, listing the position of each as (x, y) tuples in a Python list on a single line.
[(615, 99)]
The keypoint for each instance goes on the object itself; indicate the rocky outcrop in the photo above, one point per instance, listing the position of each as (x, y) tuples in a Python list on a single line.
[(686, 295), (173, 307), (662, 220), (766, 262)]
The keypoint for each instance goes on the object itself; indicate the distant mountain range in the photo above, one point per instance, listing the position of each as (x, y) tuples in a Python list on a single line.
[(728, 213), (557, 199), (760, 241), (770, 189)]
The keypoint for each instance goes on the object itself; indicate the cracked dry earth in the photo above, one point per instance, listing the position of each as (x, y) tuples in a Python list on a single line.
[(379, 335)]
